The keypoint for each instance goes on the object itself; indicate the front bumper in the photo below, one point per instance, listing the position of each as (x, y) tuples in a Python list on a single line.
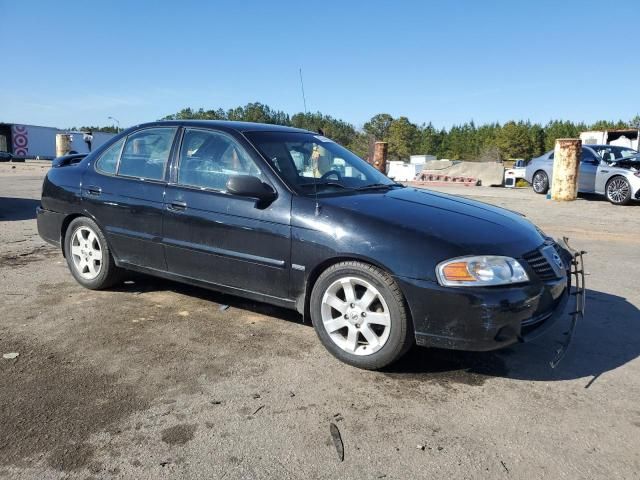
[(481, 319)]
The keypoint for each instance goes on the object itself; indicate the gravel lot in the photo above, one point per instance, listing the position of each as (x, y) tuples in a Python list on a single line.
[(156, 380)]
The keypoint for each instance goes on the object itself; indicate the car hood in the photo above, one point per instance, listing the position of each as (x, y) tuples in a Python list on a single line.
[(456, 224), (632, 164)]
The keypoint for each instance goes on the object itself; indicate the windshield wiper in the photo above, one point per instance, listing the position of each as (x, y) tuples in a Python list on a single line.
[(324, 184), (375, 186)]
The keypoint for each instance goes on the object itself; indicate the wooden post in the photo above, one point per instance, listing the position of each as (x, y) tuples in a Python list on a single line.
[(380, 156), (566, 160), (63, 144)]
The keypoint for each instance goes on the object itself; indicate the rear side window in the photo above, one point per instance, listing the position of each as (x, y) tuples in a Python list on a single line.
[(146, 152), (587, 156), (108, 161), (208, 159)]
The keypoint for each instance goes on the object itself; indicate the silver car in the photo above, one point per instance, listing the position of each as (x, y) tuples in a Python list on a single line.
[(604, 169)]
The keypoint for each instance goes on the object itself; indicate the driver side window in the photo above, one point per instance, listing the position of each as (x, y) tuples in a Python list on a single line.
[(208, 159)]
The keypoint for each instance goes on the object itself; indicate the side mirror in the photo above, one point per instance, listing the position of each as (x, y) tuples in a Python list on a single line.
[(250, 186)]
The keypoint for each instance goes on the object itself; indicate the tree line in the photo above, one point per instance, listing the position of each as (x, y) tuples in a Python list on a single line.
[(107, 129), (468, 141)]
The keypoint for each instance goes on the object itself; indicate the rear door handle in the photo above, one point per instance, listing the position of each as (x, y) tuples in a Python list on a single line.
[(177, 205), (93, 190)]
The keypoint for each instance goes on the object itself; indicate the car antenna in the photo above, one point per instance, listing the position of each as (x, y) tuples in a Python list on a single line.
[(304, 102)]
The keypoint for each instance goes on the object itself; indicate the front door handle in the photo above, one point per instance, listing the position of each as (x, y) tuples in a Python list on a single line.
[(94, 191), (177, 205)]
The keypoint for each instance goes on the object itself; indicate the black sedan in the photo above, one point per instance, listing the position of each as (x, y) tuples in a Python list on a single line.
[(289, 217)]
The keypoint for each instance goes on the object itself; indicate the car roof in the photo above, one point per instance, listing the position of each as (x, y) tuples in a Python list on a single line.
[(595, 145), (225, 125)]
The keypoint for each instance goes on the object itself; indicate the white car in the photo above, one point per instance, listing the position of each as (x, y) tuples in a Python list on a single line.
[(604, 169)]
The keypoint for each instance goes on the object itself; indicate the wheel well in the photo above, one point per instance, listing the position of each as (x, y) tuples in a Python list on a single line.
[(63, 229), (538, 171), (321, 267), (616, 176)]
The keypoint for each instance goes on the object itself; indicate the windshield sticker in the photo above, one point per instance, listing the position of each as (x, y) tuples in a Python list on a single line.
[(323, 139)]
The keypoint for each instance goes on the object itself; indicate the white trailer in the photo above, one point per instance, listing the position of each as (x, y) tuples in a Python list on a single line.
[(621, 138), (402, 171), (33, 141)]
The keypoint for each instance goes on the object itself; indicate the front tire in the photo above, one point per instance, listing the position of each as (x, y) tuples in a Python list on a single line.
[(618, 191), (540, 182), (360, 316), (88, 255)]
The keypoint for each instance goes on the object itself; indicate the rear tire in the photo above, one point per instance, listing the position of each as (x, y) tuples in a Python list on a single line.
[(540, 182), (88, 255), (360, 315), (618, 191)]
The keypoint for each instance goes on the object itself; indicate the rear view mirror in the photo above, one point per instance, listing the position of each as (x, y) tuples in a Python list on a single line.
[(250, 186)]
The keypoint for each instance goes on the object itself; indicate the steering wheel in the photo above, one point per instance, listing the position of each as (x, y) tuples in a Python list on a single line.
[(326, 175)]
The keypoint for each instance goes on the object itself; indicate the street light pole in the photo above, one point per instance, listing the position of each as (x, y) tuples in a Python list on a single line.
[(117, 121)]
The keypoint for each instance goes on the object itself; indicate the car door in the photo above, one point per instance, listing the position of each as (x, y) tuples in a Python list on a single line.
[(124, 193), (589, 162), (214, 236)]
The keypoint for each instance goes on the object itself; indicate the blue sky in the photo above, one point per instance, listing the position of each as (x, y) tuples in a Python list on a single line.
[(76, 63)]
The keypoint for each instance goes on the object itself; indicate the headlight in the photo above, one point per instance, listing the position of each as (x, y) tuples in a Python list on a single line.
[(480, 271)]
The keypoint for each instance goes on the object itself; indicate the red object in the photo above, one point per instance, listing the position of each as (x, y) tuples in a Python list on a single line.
[(430, 179)]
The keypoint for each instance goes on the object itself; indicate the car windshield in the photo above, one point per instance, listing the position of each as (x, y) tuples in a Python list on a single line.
[(631, 158), (313, 164), (611, 153)]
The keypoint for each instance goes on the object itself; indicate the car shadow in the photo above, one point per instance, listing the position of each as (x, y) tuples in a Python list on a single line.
[(593, 197), (12, 209), (607, 338), (140, 283)]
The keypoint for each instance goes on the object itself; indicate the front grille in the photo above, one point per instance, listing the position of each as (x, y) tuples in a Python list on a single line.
[(540, 265)]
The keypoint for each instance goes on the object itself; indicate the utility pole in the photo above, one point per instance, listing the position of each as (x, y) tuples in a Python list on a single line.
[(380, 156), (117, 121)]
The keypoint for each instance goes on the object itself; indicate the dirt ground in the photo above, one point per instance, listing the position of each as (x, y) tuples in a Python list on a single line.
[(158, 380)]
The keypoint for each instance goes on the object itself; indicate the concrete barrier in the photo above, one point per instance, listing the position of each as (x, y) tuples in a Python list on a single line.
[(488, 173)]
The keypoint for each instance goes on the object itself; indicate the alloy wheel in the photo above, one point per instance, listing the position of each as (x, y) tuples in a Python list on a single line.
[(618, 190), (86, 252), (539, 182), (356, 316)]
